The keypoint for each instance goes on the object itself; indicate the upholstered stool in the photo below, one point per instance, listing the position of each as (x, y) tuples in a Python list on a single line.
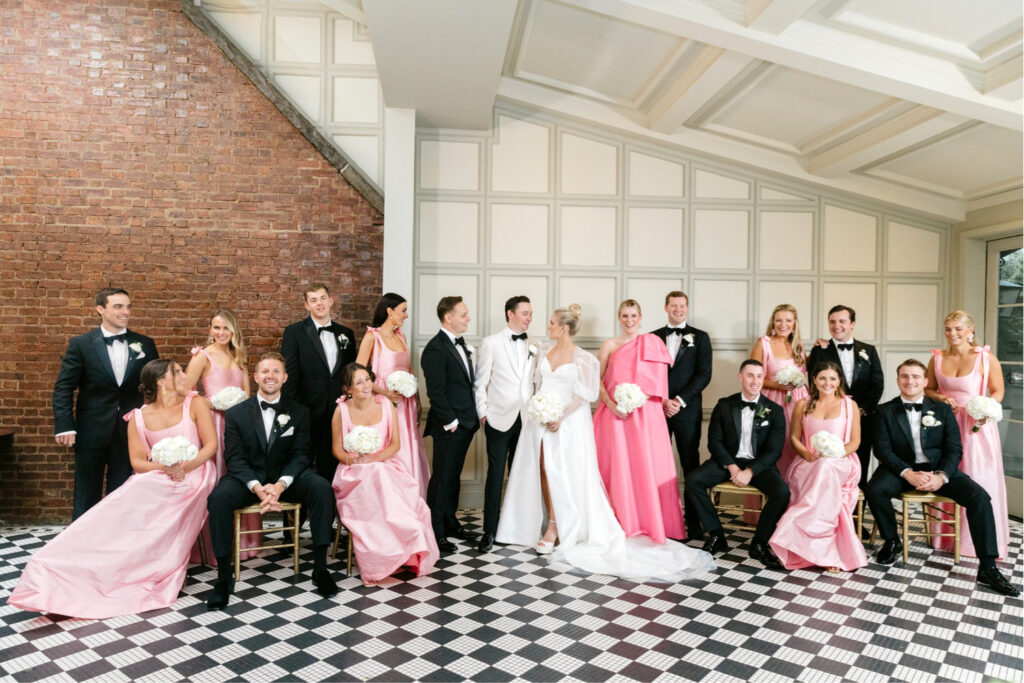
[(930, 514), (287, 509)]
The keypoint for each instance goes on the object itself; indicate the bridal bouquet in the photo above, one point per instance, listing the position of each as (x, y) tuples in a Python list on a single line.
[(545, 407), (984, 408), (228, 397), (629, 397), (402, 382), (363, 440), (173, 450), (791, 375), (828, 444)]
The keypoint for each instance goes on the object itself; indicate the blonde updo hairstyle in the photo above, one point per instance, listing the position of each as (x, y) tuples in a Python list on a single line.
[(966, 319), (569, 316)]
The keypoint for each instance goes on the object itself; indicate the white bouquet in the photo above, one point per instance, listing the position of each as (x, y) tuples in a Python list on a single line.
[(173, 450), (545, 407), (228, 397), (629, 397), (984, 408), (828, 444), (402, 382), (792, 376), (363, 440)]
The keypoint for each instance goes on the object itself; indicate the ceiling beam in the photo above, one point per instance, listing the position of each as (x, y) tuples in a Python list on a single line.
[(775, 16)]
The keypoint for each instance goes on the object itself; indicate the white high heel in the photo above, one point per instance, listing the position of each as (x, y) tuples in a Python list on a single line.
[(546, 547)]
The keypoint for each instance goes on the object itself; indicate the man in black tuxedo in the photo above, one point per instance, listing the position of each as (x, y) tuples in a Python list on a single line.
[(103, 365), (745, 438), (266, 452), (689, 373), (862, 375), (919, 448), (447, 364), (315, 350)]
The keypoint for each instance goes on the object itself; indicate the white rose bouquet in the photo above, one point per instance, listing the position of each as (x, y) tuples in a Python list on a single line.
[(629, 397), (545, 407), (984, 408), (402, 382), (363, 440), (792, 376), (228, 397), (828, 444), (173, 450)]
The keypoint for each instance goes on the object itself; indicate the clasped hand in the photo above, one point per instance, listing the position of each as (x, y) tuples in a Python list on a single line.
[(268, 496), (925, 481), (670, 407), (175, 472), (740, 477)]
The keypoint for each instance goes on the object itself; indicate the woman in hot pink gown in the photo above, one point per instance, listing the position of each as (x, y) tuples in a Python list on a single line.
[(129, 553), (634, 453), (222, 364), (385, 350), (817, 530), (962, 371), (378, 501)]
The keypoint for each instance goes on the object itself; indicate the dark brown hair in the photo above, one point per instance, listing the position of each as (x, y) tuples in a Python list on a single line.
[(106, 293), (314, 287), (151, 372), (812, 388), (349, 371), (446, 305)]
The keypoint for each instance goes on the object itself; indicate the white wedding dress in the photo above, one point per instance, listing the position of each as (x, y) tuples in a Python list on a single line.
[(589, 537)]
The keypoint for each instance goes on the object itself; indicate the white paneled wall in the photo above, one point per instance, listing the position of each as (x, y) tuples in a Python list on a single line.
[(565, 213)]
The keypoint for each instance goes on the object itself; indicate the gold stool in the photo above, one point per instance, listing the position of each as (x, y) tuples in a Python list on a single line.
[(286, 509), (334, 552), (730, 488), (859, 516), (930, 514)]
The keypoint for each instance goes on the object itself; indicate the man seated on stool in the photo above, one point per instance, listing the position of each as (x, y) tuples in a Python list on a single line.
[(918, 448)]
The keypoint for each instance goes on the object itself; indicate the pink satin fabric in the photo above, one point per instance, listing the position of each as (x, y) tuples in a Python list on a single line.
[(634, 455), (771, 366)]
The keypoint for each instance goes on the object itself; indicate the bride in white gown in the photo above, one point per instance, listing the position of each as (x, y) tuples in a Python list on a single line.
[(554, 476)]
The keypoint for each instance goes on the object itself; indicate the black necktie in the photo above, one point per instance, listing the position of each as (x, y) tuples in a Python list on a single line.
[(264, 405), (912, 406), (517, 337), (116, 337), (748, 404), (325, 328), (676, 330), (845, 347)]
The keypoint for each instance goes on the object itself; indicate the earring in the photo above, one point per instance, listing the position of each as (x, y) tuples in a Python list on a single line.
[(970, 337)]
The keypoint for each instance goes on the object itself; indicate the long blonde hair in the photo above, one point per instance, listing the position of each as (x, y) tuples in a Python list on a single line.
[(794, 341), (237, 343), (964, 318)]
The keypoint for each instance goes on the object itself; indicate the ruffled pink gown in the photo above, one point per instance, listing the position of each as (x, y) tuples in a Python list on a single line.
[(771, 366), (817, 530), (634, 455), (213, 381), (381, 506), (413, 454), (982, 457), (128, 553)]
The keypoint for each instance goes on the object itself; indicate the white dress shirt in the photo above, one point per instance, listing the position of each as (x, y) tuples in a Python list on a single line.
[(746, 449), (451, 426), (914, 417), (118, 352), (269, 415), (518, 346), (330, 344), (846, 360)]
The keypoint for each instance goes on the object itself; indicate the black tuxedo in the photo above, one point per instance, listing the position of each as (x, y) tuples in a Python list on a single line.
[(314, 385), (724, 433), (450, 392), (101, 442), (250, 456), (941, 445), (866, 389)]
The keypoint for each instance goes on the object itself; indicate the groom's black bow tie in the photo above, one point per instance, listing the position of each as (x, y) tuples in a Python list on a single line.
[(912, 406), (845, 347), (116, 337), (676, 330), (516, 337), (749, 404), (264, 405), (459, 341), (325, 328)]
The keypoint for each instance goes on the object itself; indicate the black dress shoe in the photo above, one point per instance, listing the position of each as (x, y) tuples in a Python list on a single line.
[(486, 543), (991, 577), (220, 593), (446, 546), (461, 534), (763, 554), (891, 550), (715, 543), (325, 585)]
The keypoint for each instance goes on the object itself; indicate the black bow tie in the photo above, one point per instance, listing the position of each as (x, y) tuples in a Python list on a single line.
[(845, 347), (748, 404), (116, 337), (459, 341), (264, 405), (516, 337), (912, 406), (325, 328), (676, 330)]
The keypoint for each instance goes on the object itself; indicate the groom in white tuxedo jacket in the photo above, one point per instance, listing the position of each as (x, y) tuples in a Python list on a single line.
[(501, 392)]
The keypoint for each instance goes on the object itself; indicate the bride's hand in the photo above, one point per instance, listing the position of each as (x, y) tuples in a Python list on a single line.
[(553, 426)]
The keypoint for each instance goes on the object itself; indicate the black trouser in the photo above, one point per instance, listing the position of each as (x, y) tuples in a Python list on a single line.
[(443, 488), (321, 447), (711, 474), (94, 457), (309, 489), (501, 447), (884, 486), (868, 431), (685, 427)]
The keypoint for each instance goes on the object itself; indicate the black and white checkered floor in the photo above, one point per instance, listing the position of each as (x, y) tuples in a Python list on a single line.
[(505, 616)]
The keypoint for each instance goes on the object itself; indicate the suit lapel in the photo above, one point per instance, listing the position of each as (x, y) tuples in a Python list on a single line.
[(310, 328), (904, 425), (99, 346), (510, 353), (132, 338), (257, 423), (737, 423), (450, 345), (858, 362)]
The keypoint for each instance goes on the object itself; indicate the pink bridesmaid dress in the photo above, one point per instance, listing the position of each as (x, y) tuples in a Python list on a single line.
[(215, 379), (771, 366), (817, 530), (413, 454), (129, 553), (982, 457), (634, 455), (381, 506)]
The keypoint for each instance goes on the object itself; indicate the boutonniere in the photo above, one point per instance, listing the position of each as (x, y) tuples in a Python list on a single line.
[(863, 354), (763, 412), (688, 338), (929, 419), (136, 349), (343, 341), (531, 350), (283, 419), (470, 350)]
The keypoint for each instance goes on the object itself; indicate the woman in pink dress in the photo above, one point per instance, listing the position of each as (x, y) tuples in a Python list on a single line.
[(962, 371), (220, 365), (378, 500), (385, 350), (634, 453), (817, 530), (129, 553)]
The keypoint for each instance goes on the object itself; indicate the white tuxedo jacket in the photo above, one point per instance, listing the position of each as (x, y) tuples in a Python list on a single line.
[(502, 385)]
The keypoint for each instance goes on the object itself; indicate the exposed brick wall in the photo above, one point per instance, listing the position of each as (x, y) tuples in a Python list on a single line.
[(133, 153)]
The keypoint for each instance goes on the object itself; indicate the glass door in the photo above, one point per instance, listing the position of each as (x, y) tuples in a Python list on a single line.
[(1004, 319)]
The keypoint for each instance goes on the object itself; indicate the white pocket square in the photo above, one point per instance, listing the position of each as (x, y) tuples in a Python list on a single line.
[(290, 432)]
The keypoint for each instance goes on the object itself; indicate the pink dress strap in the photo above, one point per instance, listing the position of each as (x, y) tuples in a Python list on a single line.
[(141, 427), (766, 348), (848, 414), (378, 349), (985, 361)]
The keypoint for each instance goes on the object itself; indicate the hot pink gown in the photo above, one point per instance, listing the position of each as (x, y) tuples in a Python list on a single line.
[(817, 530), (381, 505), (128, 553), (634, 455), (771, 366), (213, 381), (413, 454), (982, 457)]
